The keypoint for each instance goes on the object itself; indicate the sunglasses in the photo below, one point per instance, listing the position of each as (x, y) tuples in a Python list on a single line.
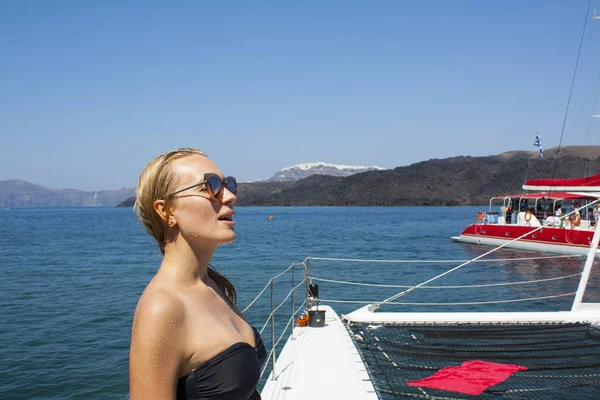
[(213, 185)]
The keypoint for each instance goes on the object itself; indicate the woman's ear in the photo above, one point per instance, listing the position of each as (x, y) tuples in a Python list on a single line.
[(164, 212)]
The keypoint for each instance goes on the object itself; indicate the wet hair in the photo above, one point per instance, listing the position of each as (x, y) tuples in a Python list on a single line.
[(157, 180)]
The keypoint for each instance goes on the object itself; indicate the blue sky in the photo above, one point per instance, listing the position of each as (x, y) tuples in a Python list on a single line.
[(91, 91)]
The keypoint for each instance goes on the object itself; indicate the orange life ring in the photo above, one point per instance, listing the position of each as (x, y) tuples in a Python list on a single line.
[(528, 213), (576, 219), (480, 216)]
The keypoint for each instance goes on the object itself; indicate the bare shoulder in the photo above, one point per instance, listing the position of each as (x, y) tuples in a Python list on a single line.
[(158, 308), (156, 353)]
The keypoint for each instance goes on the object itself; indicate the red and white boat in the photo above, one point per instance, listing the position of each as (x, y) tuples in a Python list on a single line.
[(549, 204)]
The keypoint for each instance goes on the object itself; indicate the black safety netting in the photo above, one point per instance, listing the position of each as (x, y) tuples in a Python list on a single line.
[(562, 360)]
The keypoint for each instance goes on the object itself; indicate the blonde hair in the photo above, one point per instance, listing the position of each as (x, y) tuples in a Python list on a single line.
[(157, 180)]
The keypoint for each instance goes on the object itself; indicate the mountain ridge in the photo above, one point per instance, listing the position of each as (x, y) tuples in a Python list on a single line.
[(17, 193), (462, 180)]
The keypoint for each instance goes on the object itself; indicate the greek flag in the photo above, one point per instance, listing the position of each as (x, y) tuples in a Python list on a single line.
[(538, 143)]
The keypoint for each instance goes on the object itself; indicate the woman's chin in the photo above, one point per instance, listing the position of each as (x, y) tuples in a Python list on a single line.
[(228, 239)]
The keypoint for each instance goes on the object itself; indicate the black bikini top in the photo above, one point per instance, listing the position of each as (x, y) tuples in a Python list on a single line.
[(232, 374)]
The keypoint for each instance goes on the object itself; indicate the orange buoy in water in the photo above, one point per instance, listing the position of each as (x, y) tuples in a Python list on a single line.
[(270, 218)]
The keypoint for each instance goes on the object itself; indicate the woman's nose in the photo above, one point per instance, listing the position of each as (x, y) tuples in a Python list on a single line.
[(228, 197)]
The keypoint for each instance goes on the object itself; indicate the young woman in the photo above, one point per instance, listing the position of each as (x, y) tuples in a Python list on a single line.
[(189, 340)]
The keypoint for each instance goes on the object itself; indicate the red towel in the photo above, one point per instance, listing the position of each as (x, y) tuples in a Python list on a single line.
[(472, 377)]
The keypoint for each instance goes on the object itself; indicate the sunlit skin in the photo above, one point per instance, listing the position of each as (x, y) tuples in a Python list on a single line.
[(182, 319)]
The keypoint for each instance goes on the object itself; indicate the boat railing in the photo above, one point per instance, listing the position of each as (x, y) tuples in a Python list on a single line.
[(289, 297), (540, 220), (409, 288), (308, 278), (312, 274)]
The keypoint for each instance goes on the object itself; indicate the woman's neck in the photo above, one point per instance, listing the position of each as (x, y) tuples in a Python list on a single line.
[(186, 264)]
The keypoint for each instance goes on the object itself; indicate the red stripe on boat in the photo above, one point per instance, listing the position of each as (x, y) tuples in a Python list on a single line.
[(589, 181)]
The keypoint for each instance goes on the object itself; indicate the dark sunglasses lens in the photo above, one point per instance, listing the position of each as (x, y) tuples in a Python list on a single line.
[(214, 186), (231, 184)]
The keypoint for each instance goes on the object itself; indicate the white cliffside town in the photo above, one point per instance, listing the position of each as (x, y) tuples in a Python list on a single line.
[(300, 171)]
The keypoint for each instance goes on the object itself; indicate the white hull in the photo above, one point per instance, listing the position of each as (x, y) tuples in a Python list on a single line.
[(588, 312)]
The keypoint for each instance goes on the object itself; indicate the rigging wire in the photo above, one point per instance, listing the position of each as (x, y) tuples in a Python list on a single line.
[(594, 89), (375, 306), (571, 92)]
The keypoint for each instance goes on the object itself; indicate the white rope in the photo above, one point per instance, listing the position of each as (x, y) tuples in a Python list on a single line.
[(281, 304), (257, 297), (450, 304), (447, 261), (305, 266), (266, 364), (374, 306), (445, 287), (289, 321), (283, 272), (266, 286), (563, 376)]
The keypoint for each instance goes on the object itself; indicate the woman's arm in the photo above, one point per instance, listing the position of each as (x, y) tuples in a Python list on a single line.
[(156, 353)]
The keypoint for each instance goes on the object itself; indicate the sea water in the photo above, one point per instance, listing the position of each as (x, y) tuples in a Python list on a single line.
[(71, 279)]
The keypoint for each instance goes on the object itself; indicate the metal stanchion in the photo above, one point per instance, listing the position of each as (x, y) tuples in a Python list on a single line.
[(293, 309), (273, 374)]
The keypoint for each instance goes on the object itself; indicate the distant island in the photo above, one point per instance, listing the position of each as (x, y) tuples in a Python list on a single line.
[(438, 182), (17, 193), (129, 202)]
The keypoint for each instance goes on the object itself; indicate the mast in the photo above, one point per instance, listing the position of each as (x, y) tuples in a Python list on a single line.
[(586, 270), (591, 256), (595, 17)]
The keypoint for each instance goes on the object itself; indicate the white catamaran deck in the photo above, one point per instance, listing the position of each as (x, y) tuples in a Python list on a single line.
[(380, 355), (320, 363), (324, 363)]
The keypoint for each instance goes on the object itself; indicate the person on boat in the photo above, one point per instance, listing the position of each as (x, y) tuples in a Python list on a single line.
[(524, 205), (189, 340), (596, 214), (508, 211), (589, 215), (560, 212), (540, 210), (575, 217)]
